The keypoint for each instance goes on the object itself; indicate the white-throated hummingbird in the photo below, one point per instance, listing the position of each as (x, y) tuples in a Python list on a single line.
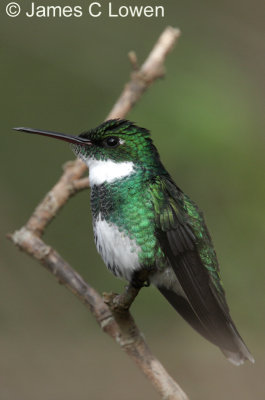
[(148, 231)]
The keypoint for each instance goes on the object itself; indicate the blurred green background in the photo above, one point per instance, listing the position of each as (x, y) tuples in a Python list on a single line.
[(206, 120)]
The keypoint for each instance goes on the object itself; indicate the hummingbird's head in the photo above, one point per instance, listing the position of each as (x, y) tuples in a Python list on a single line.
[(117, 140), (114, 150)]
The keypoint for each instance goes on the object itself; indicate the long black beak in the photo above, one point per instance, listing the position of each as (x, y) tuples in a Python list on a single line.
[(57, 135)]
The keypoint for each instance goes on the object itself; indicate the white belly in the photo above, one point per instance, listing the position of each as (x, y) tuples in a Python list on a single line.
[(119, 252)]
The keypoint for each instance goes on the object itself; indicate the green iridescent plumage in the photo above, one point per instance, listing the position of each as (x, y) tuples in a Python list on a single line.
[(173, 207), (128, 204), (170, 231), (146, 196)]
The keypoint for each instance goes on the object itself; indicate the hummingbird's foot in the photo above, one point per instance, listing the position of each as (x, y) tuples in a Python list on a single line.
[(137, 284), (140, 279), (120, 303), (109, 297)]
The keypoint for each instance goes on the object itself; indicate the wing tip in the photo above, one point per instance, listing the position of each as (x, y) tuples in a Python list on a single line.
[(238, 358), (242, 354)]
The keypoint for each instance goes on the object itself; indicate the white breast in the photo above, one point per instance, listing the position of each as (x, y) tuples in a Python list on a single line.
[(119, 252), (108, 171)]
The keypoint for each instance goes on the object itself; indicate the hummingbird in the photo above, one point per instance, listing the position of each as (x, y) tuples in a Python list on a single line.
[(148, 231)]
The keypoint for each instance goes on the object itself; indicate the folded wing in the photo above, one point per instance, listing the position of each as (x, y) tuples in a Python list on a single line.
[(184, 239)]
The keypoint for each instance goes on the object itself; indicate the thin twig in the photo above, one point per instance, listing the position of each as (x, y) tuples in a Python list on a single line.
[(112, 312), (152, 69)]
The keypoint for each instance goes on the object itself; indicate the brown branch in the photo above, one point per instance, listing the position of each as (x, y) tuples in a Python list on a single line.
[(112, 312)]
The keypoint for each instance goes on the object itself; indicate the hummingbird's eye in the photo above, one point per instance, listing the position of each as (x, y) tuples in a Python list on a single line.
[(112, 141)]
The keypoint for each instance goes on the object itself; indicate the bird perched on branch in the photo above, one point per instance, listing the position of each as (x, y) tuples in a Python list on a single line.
[(148, 231)]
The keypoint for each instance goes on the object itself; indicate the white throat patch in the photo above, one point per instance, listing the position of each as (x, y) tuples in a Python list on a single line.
[(108, 171)]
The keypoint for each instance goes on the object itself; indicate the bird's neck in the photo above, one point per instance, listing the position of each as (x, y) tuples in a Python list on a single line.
[(117, 185), (108, 171)]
